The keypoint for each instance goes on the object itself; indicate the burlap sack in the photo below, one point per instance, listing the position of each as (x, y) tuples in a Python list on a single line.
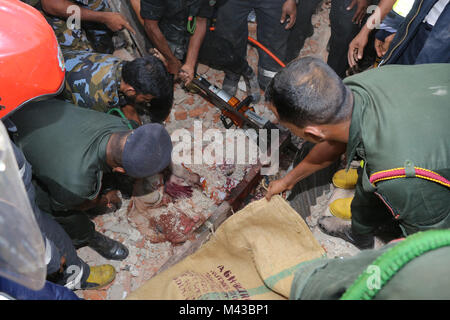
[(252, 255)]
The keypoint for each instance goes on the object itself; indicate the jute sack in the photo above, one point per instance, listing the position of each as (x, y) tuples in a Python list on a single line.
[(252, 255)]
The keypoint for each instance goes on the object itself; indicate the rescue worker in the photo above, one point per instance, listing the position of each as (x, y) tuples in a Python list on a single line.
[(180, 32), (405, 176), (73, 150), (414, 268), (410, 38), (166, 24), (346, 18), (422, 36), (274, 18), (105, 83), (45, 77), (98, 23)]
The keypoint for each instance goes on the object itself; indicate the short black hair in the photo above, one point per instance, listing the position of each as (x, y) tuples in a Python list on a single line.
[(148, 75), (307, 91)]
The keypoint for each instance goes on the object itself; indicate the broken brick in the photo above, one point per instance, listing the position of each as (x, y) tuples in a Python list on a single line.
[(181, 115), (198, 111)]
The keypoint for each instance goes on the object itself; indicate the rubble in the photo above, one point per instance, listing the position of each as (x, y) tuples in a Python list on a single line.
[(147, 257)]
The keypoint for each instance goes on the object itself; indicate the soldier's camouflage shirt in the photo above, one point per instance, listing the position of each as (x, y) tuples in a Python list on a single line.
[(72, 38), (92, 80)]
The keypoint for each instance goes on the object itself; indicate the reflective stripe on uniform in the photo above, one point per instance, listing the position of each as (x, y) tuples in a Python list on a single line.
[(402, 7), (267, 73)]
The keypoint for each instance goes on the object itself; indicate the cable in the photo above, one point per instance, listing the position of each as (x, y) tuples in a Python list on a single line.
[(262, 47)]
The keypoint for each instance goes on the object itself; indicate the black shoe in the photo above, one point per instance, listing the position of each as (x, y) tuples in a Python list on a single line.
[(230, 84), (339, 228), (108, 248), (252, 86)]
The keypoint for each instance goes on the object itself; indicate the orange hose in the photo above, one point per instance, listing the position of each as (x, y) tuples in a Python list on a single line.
[(274, 57), (262, 47)]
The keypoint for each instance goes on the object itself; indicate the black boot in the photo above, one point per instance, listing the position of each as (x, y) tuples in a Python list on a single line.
[(336, 227), (108, 248), (230, 83), (252, 85)]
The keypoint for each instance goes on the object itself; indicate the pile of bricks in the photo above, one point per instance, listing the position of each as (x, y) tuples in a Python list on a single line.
[(146, 258)]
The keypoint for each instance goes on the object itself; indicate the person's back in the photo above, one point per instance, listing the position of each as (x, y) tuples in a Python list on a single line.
[(66, 146), (92, 80), (400, 121), (413, 269)]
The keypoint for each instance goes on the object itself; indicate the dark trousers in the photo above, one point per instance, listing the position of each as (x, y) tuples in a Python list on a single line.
[(58, 239), (343, 30), (302, 29), (50, 291), (232, 25), (78, 226), (369, 213), (218, 53), (75, 223)]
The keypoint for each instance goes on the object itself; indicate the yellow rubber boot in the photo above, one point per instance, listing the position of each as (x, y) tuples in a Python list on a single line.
[(100, 276), (341, 208), (345, 179)]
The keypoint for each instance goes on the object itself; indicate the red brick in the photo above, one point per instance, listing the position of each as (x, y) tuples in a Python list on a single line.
[(189, 100), (198, 111), (141, 243), (181, 115), (217, 117), (94, 294)]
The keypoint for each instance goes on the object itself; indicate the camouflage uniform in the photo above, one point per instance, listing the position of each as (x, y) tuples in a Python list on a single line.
[(92, 80), (76, 38)]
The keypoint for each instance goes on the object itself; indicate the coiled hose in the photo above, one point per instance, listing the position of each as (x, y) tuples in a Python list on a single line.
[(396, 258)]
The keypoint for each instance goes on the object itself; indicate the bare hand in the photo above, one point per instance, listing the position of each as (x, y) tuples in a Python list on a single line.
[(187, 73), (155, 52), (116, 22), (276, 187), (356, 49), (361, 10), (382, 47), (289, 9), (113, 200)]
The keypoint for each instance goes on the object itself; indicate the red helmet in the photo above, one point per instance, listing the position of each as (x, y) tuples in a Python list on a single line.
[(31, 63)]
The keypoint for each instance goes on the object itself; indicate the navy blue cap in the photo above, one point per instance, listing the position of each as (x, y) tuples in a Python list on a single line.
[(147, 151)]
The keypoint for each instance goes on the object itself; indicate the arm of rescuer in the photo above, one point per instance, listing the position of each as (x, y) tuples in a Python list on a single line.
[(321, 156), (155, 35), (159, 41), (109, 199), (356, 47), (195, 42), (61, 8)]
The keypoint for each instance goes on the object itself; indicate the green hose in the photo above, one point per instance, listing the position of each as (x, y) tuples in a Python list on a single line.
[(191, 24), (122, 115), (396, 258)]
